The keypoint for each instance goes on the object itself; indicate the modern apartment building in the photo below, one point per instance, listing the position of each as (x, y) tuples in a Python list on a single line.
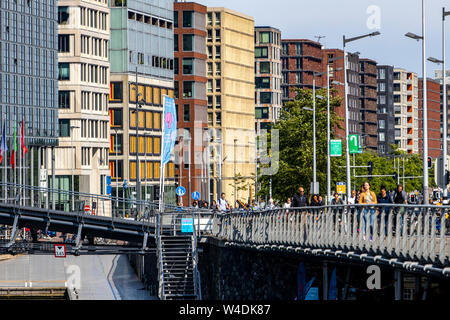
[(406, 109), (434, 118), (29, 86), (438, 77), (268, 92), (300, 59), (385, 109), (368, 103), (142, 66), (82, 154), (232, 118), (335, 59), (190, 93)]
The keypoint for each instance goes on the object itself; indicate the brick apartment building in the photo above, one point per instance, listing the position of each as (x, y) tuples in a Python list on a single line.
[(434, 118), (190, 92), (368, 100), (300, 58)]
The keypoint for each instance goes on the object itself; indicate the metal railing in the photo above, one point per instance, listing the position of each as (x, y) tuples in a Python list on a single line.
[(417, 233)]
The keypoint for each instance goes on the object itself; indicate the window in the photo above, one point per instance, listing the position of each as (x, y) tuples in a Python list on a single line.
[(188, 65), (188, 87), (261, 52), (210, 52), (262, 113), (116, 145), (381, 74), (175, 19), (218, 101), (157, 120), (64, 127), (265, 97), (156, 96), (64, 99), (218, 70), (218, 35), (381, 137), (218, 87), (149, 145), (64, 71), (264, 67), (148, 95), (116, 173), (217, 51), (210, 68), (149, 120), (186, 113), (116, 116), (264, 37), (115, 92), (63, 43), (209, 19), (63, 15), (157, 145), (382, 99), (188, 17), (217, 18), (381, 124), (210, 102), (175, 42), (188, 42), (262, 83)]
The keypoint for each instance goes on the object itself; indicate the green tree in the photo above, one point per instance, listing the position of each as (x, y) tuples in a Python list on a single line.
[(295, 144), (296, 154)]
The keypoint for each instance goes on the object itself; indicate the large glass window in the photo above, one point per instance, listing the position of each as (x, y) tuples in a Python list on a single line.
[(262, 83), (63, 43), (188, 65), (188, 42), (264, 67), (175, 19), (188, 89), (188, 18), (261, 52), (264, 37), (116, 116), (265, 97), (262, 113), (63, 15), (64, 127), (186, 113), (115, 92), (64, 99), (64, 71)]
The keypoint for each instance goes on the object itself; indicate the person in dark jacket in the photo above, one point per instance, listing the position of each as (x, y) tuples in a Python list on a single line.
[(384, 197), (299, 199)]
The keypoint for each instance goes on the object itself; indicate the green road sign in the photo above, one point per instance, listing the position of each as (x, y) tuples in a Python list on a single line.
[(336, 148), (353, 143)]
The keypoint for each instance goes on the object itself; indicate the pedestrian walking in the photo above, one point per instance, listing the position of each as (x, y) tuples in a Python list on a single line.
[(299, 199), (400, 197), (385, 198), (368, 197), (223, 203)]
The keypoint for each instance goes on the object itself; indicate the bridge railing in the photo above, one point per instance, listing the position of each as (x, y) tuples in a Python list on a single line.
[(64, 200), (409, 232)]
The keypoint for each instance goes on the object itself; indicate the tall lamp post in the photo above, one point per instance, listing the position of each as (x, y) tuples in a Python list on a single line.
[(347, 147), (425, 105), (73, 165), (444, 104)]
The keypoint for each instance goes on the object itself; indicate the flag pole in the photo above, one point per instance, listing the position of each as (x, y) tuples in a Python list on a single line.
[(161, 167)]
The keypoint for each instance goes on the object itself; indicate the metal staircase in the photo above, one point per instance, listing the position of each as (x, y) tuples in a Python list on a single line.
[(177, 265)]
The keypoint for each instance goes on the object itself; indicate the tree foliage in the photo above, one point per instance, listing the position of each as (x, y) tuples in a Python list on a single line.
[(296, 153)]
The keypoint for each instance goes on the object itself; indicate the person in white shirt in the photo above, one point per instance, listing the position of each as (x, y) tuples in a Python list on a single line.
[(223, 203), (352, 199), (287, 204)]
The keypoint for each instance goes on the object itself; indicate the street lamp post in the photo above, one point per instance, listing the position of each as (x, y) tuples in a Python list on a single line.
[(444, 105), (73, 165), (347, 147), (425, 105)]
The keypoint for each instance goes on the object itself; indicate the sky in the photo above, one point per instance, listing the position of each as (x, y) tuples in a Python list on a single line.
[(306, 19)]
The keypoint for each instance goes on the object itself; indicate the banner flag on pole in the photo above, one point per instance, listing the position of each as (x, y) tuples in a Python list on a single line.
[(13, 152), (4, 146), (22, 141), (170, 128)]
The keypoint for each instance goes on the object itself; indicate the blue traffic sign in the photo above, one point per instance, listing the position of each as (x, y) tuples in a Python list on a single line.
[(187, 225), (181, 191), (125, 183), (108, 190), (108, 180), (196, 195)]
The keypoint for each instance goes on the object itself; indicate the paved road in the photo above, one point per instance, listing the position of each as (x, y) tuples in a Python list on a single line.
[(103, 277)]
